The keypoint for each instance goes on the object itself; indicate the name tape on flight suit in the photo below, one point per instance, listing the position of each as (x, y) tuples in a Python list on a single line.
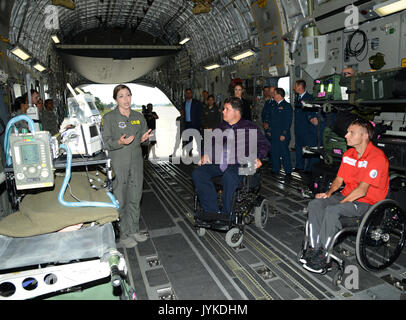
[(122, 125)]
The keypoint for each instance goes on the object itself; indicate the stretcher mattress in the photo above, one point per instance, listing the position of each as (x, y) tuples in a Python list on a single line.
[(41, 213), (57, 247)]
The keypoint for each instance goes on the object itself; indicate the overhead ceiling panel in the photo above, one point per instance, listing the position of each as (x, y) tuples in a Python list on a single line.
[(106, 70), (228, 25)]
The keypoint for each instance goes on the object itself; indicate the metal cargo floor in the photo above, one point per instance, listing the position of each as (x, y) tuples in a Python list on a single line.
[(175, 263)]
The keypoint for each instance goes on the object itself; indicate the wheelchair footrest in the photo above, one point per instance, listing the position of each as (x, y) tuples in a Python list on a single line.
[(207, 216), (213, 221), (214, 225)]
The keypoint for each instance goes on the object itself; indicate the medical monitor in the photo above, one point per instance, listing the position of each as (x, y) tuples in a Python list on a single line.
[(83, 108), (32, 160), (329, 88), (91, 139)]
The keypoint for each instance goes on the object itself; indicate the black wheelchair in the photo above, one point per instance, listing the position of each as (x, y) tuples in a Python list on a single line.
[(380, 238), (248, 206)]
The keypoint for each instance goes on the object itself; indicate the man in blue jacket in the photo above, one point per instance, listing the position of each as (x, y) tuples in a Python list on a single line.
[(192, 109), (281, 121), (304, 130), (267, 111)]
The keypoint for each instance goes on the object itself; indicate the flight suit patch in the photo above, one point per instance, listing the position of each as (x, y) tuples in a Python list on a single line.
[(134, 122), (373, 174), (122, 125)]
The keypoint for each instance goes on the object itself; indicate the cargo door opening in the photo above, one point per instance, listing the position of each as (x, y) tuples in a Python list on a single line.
[(166, 125)]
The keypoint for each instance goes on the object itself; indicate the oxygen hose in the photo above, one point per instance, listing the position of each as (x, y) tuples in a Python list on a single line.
[(8, 127), (113, 204)]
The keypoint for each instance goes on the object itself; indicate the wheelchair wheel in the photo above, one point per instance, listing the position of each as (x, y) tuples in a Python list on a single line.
[(337, 279), (201, 232), (381, 236), (261, 214), (234, 237)]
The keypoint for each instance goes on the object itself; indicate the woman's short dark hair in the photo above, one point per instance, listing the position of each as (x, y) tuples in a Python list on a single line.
[(118, 88), (19, 101), (367, 125), (236, 103)]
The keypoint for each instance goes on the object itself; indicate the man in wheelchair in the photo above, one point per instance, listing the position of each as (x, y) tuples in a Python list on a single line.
[(228, 153), (364, 170)]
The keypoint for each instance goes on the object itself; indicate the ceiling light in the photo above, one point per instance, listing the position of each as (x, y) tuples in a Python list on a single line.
[(212, 66), (39, 67), (55, 38), (20, 53), (243, 54), (184, 41), (389, 7)]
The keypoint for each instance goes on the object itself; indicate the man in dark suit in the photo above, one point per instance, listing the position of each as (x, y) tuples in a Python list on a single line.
[(192, 110), (304, 132)]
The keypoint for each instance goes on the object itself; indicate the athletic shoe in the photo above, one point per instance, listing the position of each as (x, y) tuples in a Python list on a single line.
[(128, 243), (307, 255), (318, 262), (139, 237)]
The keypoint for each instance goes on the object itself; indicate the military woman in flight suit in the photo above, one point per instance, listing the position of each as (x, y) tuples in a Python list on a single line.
[(123, 131)]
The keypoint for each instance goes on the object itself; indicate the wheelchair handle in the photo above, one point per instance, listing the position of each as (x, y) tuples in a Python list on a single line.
[(115, 272), (115, 276), (247, 169)]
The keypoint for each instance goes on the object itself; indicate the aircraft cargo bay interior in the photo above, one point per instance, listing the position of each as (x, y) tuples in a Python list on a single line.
[(203, 150)]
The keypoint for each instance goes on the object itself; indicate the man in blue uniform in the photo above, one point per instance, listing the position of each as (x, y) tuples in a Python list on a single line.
[(267, 110), (281, 121), (302, 124), (228, 165), (316, 127)]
